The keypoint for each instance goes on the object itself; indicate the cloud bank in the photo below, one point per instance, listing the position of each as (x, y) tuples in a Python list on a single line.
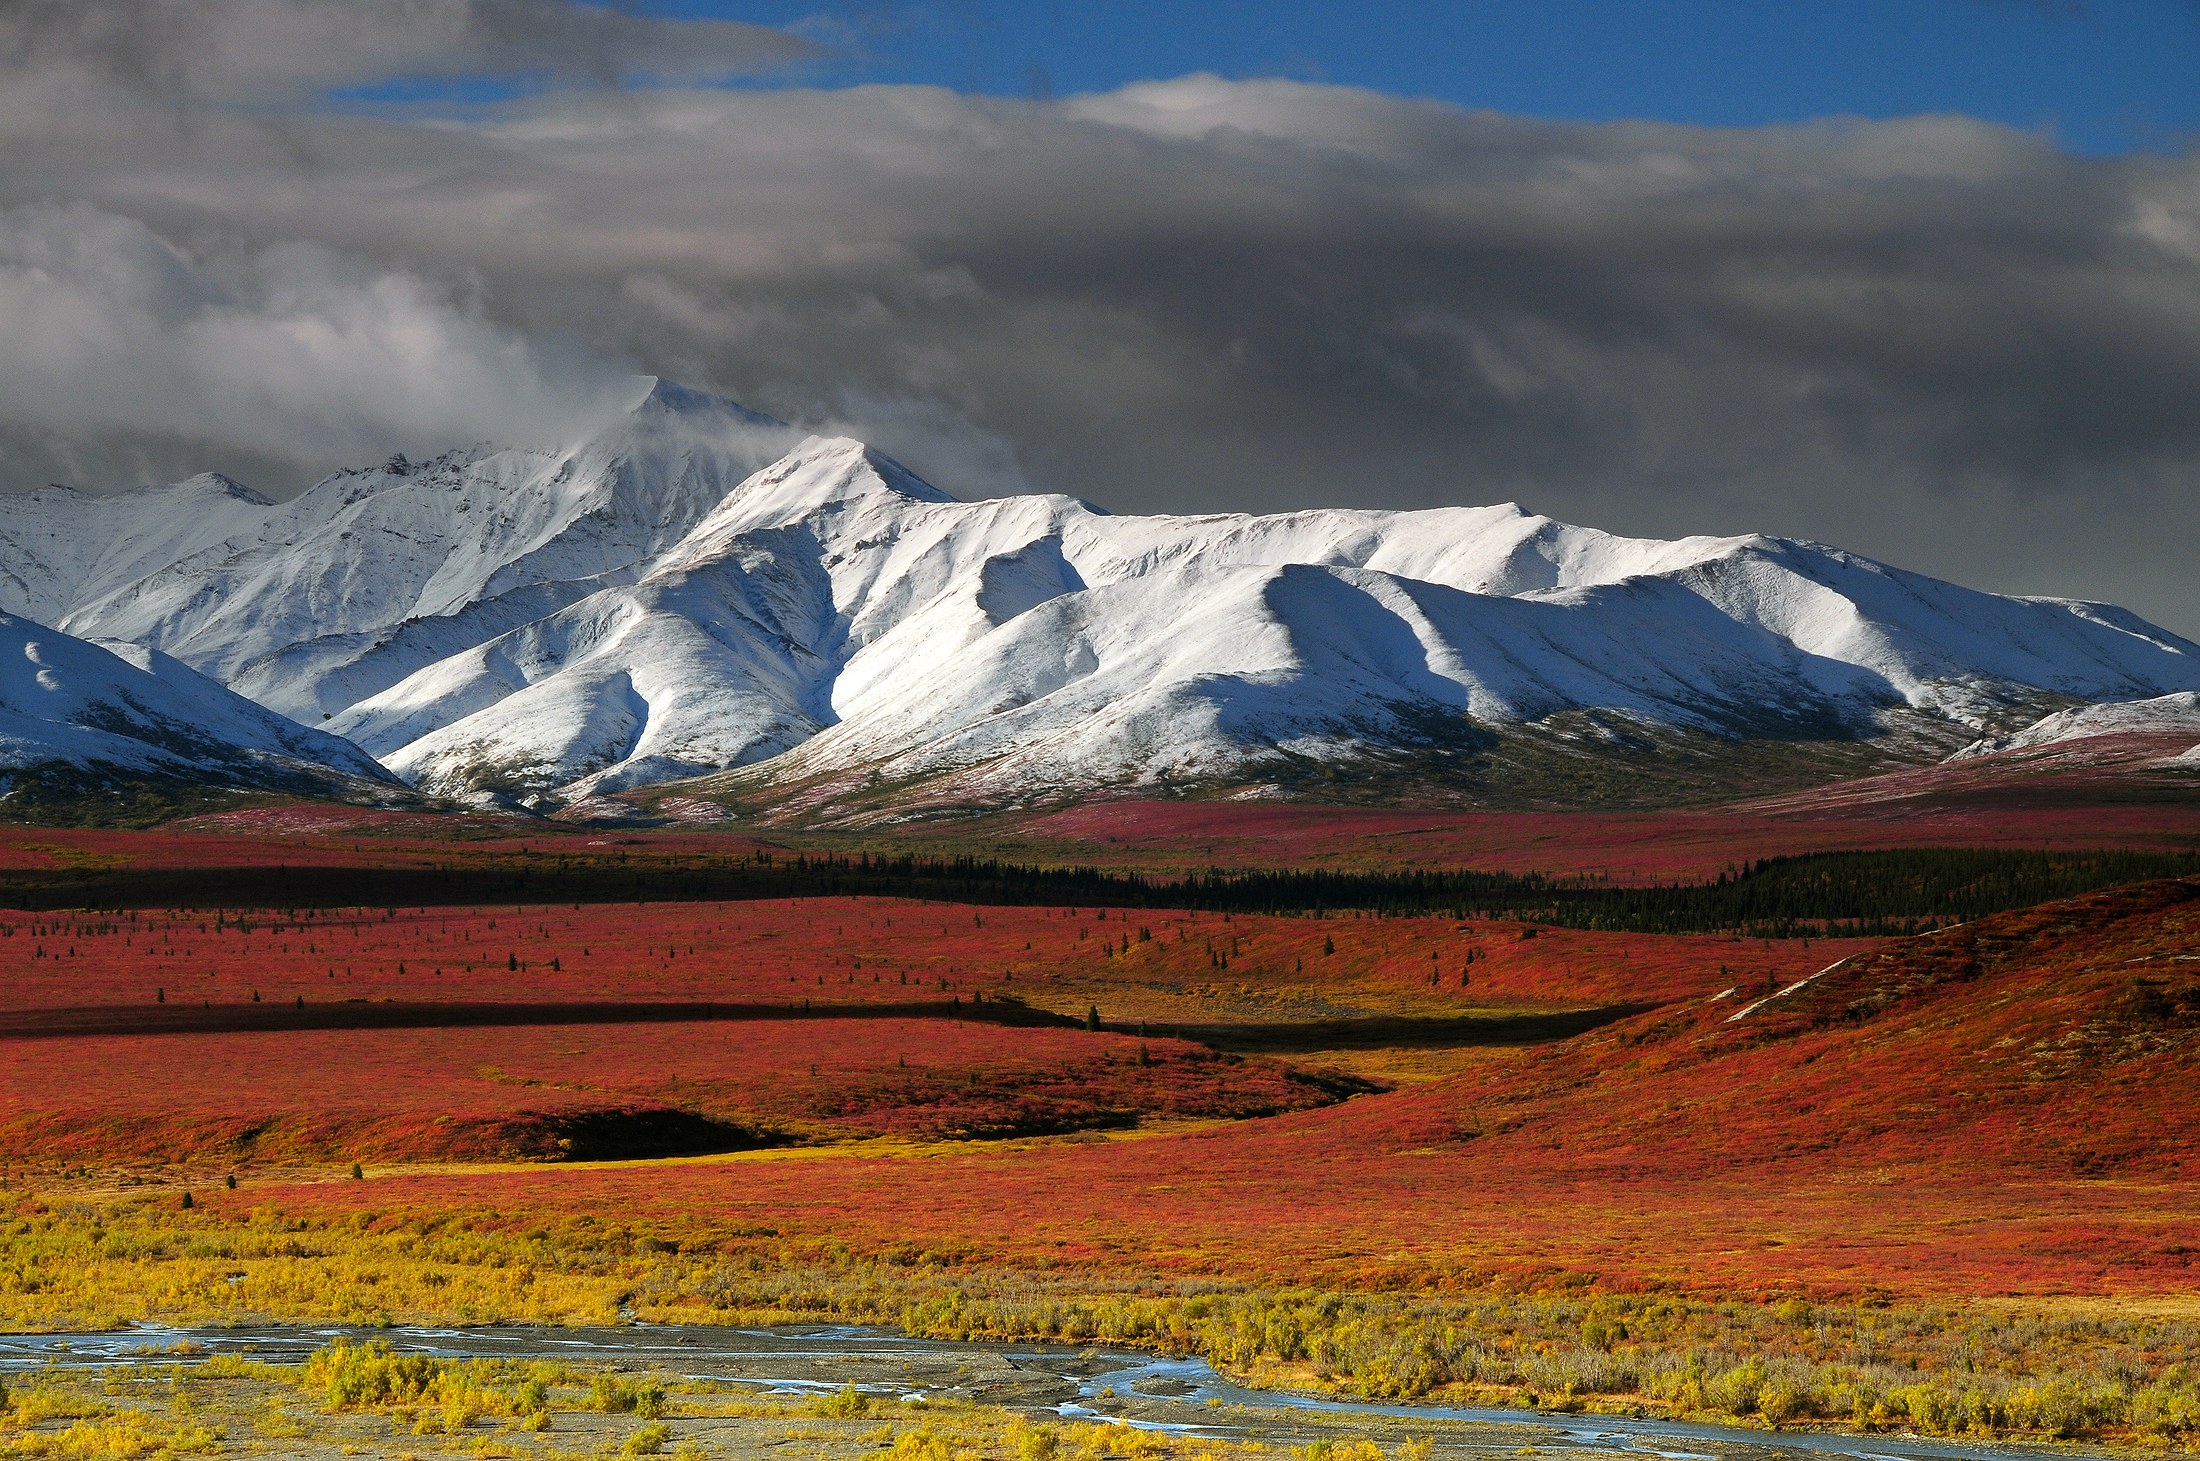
[(114, 330), (217, 51), (1935, 340)]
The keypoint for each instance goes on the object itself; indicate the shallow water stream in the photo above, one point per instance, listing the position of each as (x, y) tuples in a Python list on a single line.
[(1126, 1387)]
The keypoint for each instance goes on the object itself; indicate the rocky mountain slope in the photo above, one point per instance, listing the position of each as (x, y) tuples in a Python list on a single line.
[(696, 588)]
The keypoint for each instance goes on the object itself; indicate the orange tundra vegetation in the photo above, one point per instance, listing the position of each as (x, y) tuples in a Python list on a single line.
[(389, 1034), (1996, 1109), (1175, 837), (601, 1055), (565, 1092), (773, 954), (1978, 1127), (1625, 848)]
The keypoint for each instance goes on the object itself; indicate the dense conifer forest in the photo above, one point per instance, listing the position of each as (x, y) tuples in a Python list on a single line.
[(1864, 893)]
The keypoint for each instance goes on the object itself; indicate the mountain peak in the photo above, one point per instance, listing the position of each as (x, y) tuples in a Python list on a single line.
[(900, 479), (688, 588), (666, 397), (213, 484), (820, 472)]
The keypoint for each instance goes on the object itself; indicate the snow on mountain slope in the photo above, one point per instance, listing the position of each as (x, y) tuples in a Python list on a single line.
[(1936, 645), (687, 672), (58, 547), (2164, 716), (723, 654), (689, 588), (836, 612), (1194, 672), (123, 707), (365, 551), (312, 681)]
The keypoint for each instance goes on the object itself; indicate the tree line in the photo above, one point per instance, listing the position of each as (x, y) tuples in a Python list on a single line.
[(1868, 893)]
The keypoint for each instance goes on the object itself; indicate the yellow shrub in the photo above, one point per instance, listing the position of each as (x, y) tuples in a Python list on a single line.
[(616, 1397), (124, 1438), (1781, 1401), (46, 1404), (649, 1440), (1090, 1441), (921, 1445), (1034, 1443), (364, 1376)]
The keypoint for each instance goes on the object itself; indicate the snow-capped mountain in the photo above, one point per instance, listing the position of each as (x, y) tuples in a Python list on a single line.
[(696, 588), (124, 709)]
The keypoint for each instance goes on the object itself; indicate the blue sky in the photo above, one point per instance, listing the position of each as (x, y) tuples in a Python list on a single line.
[(2104, 75)]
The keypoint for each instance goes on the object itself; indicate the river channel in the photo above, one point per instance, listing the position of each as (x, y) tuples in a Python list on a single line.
[(1124, 1387)]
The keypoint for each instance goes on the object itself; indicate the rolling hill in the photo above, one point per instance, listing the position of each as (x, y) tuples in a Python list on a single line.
[(2062, 1040)]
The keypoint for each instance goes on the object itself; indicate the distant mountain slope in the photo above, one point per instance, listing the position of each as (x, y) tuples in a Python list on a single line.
[(692, 590), (91, 711), (60, 548), (2118, 754), (2171, 718)]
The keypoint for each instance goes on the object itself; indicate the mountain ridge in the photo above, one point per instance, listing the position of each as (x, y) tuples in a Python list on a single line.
[(696, 590)]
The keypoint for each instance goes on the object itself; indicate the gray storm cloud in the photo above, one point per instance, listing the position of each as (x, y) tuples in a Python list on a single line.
[(242, 50), (114, 331), (1935, 340)]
